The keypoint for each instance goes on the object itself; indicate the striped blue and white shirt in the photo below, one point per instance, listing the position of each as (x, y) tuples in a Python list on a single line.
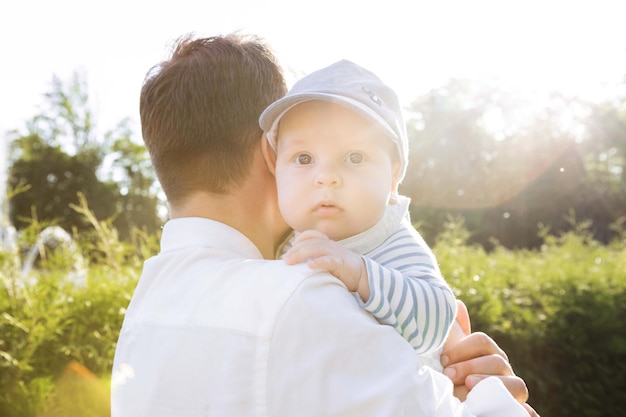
[(407, 289)]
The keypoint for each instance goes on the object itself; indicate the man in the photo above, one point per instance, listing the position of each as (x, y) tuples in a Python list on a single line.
[(213, 329)]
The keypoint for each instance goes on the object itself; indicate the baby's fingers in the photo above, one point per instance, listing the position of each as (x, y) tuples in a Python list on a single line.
[(327, 263), (308, 235), (304, 251)]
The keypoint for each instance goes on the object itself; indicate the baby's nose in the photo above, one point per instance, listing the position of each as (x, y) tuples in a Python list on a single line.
[(328, 178)]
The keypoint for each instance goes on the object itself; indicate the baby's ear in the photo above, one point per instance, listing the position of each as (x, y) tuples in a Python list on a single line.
[(268, 154), (395, 177)]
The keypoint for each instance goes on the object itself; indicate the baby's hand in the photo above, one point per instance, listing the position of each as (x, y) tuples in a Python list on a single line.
[(320, 252)]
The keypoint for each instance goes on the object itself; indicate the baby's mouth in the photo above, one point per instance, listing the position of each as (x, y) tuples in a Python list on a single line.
[(327, 208)]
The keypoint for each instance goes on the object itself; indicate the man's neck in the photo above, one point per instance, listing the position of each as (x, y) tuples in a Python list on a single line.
[(245, 216), (250, 208)]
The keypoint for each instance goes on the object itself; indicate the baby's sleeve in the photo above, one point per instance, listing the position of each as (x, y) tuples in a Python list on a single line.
[(408, 292)]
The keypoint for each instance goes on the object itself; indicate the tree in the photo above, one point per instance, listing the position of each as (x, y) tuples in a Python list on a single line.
[(132, 170), (54, 178), (508, 165), (604, 144), (61, 154)]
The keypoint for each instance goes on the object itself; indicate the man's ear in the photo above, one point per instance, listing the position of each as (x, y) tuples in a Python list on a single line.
[(269, 155)]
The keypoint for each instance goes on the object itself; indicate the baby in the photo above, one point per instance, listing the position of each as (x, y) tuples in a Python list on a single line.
[(341, 150)]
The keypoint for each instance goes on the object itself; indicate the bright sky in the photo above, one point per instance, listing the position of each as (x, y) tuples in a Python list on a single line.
[(414, 45)]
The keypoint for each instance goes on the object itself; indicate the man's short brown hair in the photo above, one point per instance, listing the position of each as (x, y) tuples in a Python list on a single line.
[(200, 109)]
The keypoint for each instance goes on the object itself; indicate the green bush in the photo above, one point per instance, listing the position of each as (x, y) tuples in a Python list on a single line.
[(559, 312), (59, 322)]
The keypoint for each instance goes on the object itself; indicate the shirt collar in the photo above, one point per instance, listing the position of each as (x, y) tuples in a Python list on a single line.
[(189, 232), (373, 237)]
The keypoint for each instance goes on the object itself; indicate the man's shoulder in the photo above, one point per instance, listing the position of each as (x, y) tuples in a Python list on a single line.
[(243, 295), (281, 282), (289, 290), (276, 277), (317, 299)]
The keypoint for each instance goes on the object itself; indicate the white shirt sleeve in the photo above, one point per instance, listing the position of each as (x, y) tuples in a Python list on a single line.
[(328, 357)]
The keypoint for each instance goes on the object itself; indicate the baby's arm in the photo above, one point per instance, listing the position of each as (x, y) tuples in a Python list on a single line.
[(399, 283), (408, 291)]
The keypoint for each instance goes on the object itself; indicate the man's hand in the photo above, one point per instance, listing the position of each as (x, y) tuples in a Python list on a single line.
[(320, 252), (469, 357)]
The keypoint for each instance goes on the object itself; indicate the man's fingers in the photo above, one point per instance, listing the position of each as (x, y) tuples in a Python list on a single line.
[(481, 365), (515, 385), (473, 346), (531, 411), (460, 392)]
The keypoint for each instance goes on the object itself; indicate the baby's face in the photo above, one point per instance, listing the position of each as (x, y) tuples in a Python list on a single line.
[(334, 169)]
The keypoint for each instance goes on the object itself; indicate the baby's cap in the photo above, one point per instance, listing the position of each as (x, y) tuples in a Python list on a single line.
[(349, 84)]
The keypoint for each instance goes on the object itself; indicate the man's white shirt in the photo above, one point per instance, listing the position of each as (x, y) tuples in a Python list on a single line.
[(215, 330)]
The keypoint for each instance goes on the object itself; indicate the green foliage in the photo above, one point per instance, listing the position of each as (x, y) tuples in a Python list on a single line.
[(59, 323), (61, 154), (54, 178), (559, 312)]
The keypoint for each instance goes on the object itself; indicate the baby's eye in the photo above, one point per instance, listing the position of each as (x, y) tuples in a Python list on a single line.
[(303, 159), (355, 157)]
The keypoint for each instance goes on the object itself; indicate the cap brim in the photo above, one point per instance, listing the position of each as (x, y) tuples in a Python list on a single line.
[(272, 115)]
